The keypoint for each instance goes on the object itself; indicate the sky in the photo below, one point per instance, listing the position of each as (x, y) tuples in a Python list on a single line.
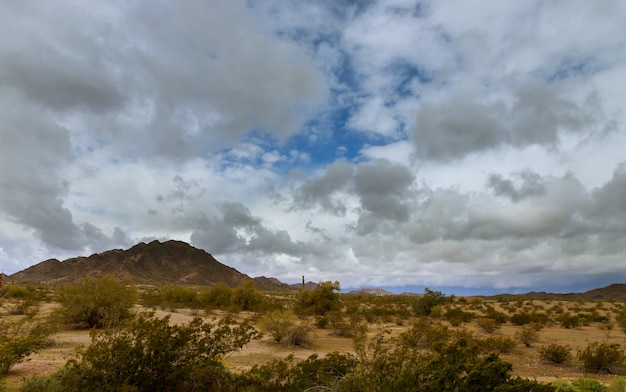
[(471, 146)]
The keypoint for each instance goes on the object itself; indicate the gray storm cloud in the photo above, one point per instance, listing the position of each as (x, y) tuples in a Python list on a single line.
[(536, 115)]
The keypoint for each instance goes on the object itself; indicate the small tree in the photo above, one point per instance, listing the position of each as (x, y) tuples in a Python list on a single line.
[(245, 296), (320, 300), (96, 303), (425, 304)]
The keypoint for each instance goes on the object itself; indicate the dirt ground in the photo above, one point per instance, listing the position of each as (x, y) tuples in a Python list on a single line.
[(526, 362)]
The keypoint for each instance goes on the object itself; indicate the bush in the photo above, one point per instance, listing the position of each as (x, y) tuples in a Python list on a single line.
[(153, 355), (17, 341), (569, 321), (346, 328), (177, 296), (499, 344), (527, 335), (602, 357), (580, 385), (218, 296), (277, 324), (424, 305), (528, 318), (555, 353), (298, 335), (96, 303), (320, 300), (457, 316), (488, 325), (284, 328), (245, 296)]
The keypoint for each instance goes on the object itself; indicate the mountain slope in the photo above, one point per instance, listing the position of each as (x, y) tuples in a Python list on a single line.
[(156, 263)]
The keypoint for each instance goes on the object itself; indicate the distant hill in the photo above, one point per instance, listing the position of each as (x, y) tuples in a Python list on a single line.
[(155, 263), (616, 291), (378, 292)]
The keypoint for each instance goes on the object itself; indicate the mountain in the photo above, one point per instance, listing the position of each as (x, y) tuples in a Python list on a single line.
[(155, 263), (378, 292)]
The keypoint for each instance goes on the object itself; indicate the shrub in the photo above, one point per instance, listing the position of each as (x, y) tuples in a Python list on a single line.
[(499, 344), (298, 335), (284, 328), (425, 334), (178, 296), (17, 341), (424, 305), (457, 316), (527, 335), (569, 321), (217, 296), (153, 355), (320, 300), (102, 302), (245, 296), (527, 318), (602, 357), (555, 353), (618, 385), (346, 328), (488, 325)]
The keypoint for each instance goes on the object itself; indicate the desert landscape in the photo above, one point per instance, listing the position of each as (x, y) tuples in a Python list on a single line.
[(543, 336), (571, 323)]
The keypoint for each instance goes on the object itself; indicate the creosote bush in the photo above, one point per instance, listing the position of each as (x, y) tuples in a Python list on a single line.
[(96, 302), (602, 357), (555, 353), (151, 354), (284, 328), (528, 335)]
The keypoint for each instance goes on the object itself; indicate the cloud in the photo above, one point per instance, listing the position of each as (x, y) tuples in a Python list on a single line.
[(531, 185), (321, 190), (235, 230), (536, 115)]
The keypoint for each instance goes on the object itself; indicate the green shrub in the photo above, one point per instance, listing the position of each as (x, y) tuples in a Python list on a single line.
[(178, 296), (102, 302), (16, 291), (602, 357), (488, 325), (349, 328), (528, 318), (498, 344), (218, 296), (298, 335), (527, 335), (319, 301), (18, 340), (618, 385), (425, 304), (569, 321), (425, 334), (245, 296), (555, 353), (457, 316), (153, 355)]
